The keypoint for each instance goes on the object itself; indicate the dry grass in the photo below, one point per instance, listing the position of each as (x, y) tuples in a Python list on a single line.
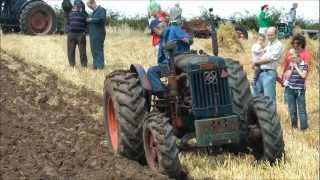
[(228, 39), (124, 46)]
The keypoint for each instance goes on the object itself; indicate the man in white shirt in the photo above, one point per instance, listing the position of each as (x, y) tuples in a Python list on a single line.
[(266, 82)]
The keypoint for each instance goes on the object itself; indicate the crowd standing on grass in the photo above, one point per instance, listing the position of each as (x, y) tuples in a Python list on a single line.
[(78, 24), (293, 78)]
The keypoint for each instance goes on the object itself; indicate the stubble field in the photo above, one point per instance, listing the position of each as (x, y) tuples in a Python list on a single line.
[(125, 46)]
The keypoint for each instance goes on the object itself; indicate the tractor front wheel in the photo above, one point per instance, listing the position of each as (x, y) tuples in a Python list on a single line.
[(241, 95), (124, 109), (160, 145), (265, 134)]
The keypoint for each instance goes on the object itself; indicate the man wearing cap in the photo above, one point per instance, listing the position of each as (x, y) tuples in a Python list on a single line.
[(97, 33), (156, 16), (77, 27), (264, 20), (167, 34)]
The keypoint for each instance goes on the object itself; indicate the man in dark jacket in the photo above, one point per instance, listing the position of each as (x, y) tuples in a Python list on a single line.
[(67, 7), (77, 34), (97, 33)]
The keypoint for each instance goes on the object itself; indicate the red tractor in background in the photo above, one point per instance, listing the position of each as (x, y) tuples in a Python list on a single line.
[(27, 16)]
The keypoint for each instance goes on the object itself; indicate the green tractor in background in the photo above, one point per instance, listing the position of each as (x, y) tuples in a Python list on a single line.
[(27, 16), (209, 101)]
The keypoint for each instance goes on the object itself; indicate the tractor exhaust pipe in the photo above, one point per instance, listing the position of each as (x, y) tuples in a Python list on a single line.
[(214, 41)]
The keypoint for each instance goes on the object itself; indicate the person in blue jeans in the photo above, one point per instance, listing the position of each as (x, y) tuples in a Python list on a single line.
[(97, 33), (296, 73), (266, 81), (167, 34)]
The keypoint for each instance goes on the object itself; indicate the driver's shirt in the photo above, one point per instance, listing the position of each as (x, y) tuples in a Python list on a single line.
[(173, 33)]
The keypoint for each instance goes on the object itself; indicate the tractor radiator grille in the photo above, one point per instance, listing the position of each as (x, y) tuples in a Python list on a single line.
[(210, 93)]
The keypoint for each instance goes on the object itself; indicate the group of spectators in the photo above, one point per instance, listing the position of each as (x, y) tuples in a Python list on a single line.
[(265, 19), (295, 69), (78, 25)]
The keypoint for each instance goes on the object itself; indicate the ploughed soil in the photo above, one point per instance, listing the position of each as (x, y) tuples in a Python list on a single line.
[(49, 129)]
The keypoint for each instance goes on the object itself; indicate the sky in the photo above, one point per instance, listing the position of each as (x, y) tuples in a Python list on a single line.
[(308, 9)]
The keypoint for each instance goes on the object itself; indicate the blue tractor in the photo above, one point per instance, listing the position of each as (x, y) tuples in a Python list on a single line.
[(27, 16), (208, 105)]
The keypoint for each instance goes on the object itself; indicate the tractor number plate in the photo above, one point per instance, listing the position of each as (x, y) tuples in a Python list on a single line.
[(217, 131)]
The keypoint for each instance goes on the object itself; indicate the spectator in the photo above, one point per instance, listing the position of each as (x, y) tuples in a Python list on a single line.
[(175, 15), (264, 20), (296, 68), (153, 9), (97, 33), (67, 7), (292, 18), (257, 52), (77, 34), (266, 82)]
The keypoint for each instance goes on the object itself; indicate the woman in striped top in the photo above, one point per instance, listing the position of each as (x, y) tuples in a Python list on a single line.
[(296, 68)]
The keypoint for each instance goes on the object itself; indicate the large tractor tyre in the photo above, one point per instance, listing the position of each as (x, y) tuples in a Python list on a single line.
[(265, 133), (37, 18), (124, 110), (241, 94), (160, 145)]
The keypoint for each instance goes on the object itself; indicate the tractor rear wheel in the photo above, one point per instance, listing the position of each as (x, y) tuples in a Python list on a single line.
[(37, 18), (160, 145), (241, 95), (124, 109), (265, 133)]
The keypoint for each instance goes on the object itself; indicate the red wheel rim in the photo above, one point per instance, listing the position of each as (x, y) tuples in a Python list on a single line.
[(112, 124), (151, 152), (39, 22)]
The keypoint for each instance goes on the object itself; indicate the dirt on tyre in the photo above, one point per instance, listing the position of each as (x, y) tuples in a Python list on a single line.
[(265, 134), (37, 18), (160, 145), (241, 95), (124, 109)]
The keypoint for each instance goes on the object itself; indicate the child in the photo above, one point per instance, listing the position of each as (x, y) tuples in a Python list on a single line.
[(295, 59), (257, 52)]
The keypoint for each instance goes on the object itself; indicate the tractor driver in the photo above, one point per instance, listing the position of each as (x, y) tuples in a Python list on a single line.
[(168, 34)]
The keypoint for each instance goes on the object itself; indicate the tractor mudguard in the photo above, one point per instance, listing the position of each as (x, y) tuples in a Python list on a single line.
[(137, 68)]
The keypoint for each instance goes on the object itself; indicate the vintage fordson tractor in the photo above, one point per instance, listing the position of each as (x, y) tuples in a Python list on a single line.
[(28, 16), (209, 100)]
